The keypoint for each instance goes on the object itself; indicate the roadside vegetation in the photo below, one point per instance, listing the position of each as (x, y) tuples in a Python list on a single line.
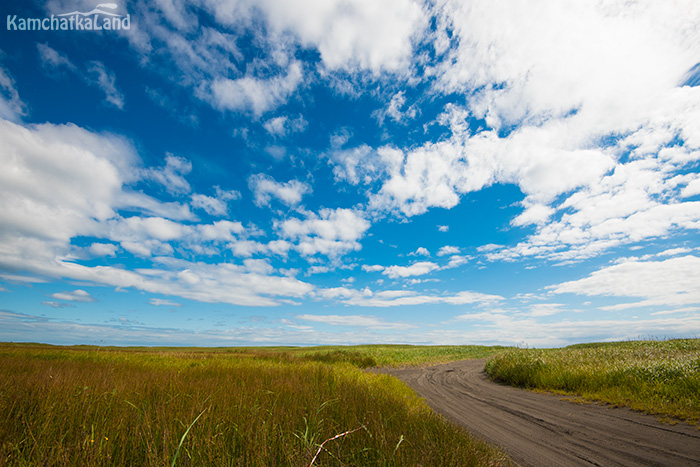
[(656, 377), (93, 406)]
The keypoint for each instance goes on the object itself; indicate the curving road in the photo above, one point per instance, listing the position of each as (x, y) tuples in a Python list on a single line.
[(543, 430)]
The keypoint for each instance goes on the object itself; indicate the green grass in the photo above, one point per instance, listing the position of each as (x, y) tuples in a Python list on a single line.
[(656, 377), (94, 406)]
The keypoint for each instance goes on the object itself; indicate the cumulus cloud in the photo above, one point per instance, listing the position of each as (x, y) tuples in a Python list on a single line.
[(103, 249), (74, 184), (416, 269), (363, 165), (283, 126), (331, 232), (172, 175), (600, 162), (265, 188), (421, 251), (215, 205), (252, 94), (349, 35), (448, 250), (671, 283), (395, 110), (78, 295)]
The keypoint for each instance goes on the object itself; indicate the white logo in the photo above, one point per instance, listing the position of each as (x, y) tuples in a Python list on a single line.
[(99, 19)]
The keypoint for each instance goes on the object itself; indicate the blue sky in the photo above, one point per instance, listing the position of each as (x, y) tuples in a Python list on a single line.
[(238, 172)]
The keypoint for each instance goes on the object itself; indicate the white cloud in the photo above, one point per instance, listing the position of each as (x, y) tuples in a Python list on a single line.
[(448, 250), (416, 269), (363, 165), (103, 249), (354, 320), (54, 59), (60, 182), (105, 80), (420, 252), (55, 186), (78, 295), (443, 228), (11, 106), (212, 206), (509, 331), (545, 309), (283, 126), (255, 95), (456, 261), (561, 118), (672, 282), (394, 110), (53, 304), (554, 58), (534, 214), (387, 298), (691, 189), (215, 205), (172, 176), (96, 74), (162, 302), (348, 34), (219, 230), (265, 188), (331, 232)]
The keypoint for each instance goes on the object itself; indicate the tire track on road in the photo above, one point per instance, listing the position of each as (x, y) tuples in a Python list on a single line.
[(543, 430)]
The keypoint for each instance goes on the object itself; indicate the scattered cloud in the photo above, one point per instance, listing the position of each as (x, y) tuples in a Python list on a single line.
[(12, 108), (214, 205), (421, 252), (265, 188), (331, 232), (283, 126), (354, 320), (416, 269), (448, 250), (162, 302), (254, 95), (672, 282), (387, 298), (103, 249), (54, 304), (105, 80), (78, 295), (53, 59), (172, 175)]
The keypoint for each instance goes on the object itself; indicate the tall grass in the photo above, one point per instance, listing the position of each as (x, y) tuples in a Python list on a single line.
[(96, 406), (658, 377)]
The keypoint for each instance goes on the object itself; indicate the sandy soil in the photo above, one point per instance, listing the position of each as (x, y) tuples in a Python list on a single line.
[(544, 430)]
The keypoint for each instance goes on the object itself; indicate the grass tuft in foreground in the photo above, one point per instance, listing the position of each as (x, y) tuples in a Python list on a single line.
[(656, 377), (220, 407)]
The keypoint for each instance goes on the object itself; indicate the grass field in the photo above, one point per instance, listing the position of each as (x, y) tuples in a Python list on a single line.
[(93, 406), (657, 377)]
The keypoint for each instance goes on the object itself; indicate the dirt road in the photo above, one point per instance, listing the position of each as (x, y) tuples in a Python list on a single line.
[(543, 430)]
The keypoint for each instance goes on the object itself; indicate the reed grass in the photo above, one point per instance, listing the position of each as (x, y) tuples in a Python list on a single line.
[(656, 377), (94, 406)]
